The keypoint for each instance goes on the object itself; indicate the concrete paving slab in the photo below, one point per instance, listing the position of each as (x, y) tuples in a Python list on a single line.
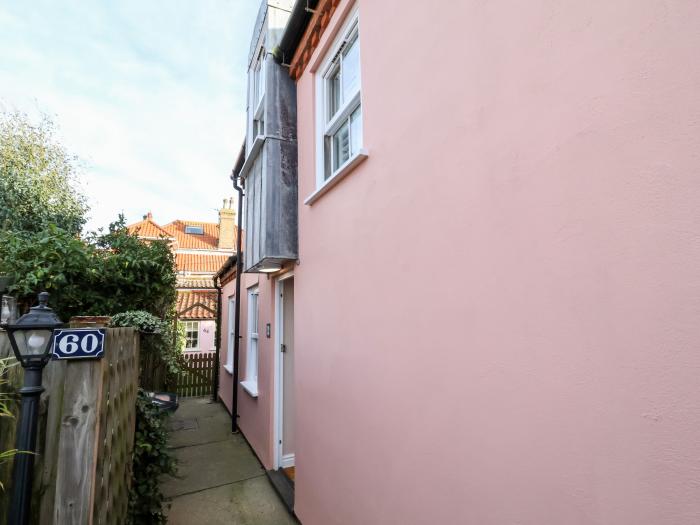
[(197, 407), (219, 480), (206, 430), (212, 465), (249, 502)]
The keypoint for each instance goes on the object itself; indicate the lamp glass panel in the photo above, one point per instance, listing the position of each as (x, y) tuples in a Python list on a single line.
[(32, 342)]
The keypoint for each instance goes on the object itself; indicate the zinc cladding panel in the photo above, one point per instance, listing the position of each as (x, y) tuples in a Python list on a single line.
[(255, 212)]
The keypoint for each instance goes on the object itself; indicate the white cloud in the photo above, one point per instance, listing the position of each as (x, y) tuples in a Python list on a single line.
[(149, 94)]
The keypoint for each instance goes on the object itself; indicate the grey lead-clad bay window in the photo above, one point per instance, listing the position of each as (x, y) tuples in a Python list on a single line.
[(342, 137), (270, 173), (269, 169)]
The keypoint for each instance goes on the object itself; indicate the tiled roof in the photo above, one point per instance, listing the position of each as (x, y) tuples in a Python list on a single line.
[(147, 228), (209, 240), (194, 283), (199, 263), (188, 300)]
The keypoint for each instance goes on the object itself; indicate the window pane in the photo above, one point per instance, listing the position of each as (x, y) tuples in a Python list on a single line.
[(261, 81), (351, 70), (341, 146), (327, 145), (333, 84), (356, 130)]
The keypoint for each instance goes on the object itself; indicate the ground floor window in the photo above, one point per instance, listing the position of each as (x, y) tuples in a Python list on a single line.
[(251, 371), (231, 333), (191, 335)]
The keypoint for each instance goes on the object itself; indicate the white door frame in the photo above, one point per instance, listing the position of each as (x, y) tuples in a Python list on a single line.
[(279, 460)]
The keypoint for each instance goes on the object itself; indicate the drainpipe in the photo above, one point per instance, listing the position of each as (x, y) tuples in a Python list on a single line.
[(237, 309), (217, 359)]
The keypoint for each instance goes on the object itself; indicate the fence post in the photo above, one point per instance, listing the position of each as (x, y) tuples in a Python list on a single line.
[(75, 474)]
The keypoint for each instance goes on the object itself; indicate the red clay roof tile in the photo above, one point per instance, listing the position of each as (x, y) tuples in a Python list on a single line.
[(189, 305), (209, 240), (199, 263), (148, 229)]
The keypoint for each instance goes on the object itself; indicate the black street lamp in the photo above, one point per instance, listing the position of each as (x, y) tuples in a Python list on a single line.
[(31, 338)]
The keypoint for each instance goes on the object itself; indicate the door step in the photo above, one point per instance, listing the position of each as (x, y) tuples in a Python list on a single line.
[(284, 487)]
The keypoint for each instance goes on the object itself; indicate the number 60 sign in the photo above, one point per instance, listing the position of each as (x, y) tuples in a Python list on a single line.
[(80, 343)]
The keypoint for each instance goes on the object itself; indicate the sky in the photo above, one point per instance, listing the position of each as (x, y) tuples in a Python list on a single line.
[(149, 94)]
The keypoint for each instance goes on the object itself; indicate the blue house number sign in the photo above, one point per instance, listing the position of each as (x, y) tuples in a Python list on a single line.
[(85, 343)]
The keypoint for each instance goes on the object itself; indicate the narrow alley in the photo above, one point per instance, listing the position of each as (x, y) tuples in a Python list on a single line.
[(220, 481)]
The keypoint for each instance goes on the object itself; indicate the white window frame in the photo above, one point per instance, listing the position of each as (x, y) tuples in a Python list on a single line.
[(231, 333), (258, 80), (326, 126), (250, 384), (189, 324)]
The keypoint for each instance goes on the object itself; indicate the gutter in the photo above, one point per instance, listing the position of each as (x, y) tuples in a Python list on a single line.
[(299, 19)]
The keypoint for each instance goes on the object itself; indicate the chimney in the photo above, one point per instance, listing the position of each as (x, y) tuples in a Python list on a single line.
[(227, 226), (148, 216)]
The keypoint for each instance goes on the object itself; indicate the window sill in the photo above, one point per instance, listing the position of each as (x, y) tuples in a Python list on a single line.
[(342, 172), (251, 387), (252, 155), (229, 369)]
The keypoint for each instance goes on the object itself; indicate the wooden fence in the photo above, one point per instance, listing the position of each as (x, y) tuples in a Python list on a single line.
[(197, 378), (86, 435)]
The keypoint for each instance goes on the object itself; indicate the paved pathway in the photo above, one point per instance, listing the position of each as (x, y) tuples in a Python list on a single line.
[(220, 481)]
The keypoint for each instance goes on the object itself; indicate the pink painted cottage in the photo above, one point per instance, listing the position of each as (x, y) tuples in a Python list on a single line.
[(470, 287)]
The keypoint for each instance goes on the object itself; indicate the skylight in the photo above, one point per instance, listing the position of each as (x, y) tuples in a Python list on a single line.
[(195, 230)]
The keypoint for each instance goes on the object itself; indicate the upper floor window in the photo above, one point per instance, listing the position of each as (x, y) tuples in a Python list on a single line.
[(258, 80), (341, 102), (191, 335)]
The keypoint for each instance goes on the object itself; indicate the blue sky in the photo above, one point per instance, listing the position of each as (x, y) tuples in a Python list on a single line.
[(149, 94)]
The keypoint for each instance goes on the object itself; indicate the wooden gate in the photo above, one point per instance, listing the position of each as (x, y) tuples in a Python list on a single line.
[(198, 377)]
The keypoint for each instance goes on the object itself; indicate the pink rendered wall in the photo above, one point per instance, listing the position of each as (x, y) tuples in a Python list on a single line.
[(497, 314), (256, 414), (207, 334)]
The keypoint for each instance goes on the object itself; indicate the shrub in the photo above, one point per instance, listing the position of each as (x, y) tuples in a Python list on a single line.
[(105, 274)]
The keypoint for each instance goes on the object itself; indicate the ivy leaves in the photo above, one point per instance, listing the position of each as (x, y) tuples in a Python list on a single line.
[(160, 339), (152, 459)]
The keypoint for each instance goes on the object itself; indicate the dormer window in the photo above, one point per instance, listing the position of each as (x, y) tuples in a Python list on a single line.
[(194, 230)]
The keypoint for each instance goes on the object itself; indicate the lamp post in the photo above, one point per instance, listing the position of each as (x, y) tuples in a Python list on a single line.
[(31, 338)]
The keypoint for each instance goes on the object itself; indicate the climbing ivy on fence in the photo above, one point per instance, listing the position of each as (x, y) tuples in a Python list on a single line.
[(152, 459), (161, 344)]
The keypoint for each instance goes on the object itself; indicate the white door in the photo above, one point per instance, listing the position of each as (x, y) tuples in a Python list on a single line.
[(285, 376)]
